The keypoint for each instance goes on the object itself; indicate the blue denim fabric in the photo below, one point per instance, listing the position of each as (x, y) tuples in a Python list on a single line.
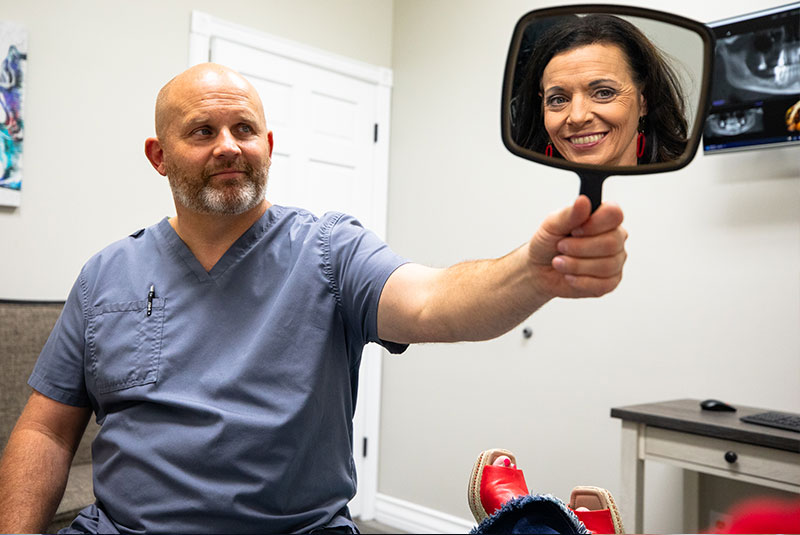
[(541, 513)]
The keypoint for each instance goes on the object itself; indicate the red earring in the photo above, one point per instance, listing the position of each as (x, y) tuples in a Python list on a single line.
[(640, 143), (548, 150)]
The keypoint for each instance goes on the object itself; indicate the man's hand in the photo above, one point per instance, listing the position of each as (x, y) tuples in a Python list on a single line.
[(579, 254)]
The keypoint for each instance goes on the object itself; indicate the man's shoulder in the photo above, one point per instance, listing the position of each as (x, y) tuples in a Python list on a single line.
[(300, 217), (126, 249)]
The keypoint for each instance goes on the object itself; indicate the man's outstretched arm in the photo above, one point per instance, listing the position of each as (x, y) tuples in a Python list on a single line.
[(36, 462), (573, 254)]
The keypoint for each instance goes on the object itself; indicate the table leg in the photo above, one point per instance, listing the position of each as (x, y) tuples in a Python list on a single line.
[(631, 500), (691, 498)]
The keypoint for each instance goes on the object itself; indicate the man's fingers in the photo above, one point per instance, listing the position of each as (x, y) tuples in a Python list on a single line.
[(578, 219), (606, 244), (608, 216), (592, 286), (603, 268)]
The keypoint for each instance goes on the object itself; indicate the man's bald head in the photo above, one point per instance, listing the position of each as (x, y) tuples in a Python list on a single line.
[(212, 141), (199, 82)]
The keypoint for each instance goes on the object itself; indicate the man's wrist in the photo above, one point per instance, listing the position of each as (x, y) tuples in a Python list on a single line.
[(538, 277)]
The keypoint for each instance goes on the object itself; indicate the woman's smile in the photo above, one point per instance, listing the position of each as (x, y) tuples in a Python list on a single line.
[(586, 141)]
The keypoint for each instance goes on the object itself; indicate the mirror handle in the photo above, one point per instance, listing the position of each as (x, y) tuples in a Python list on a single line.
[(592, 187)]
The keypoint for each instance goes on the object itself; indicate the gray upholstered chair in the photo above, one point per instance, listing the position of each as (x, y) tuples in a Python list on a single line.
[(24, 328)]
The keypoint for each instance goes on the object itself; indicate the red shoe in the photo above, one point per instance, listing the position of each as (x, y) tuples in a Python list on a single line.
[(602, 516), (492, 486)]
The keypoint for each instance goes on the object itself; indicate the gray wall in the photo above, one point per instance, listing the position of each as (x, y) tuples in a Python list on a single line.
[(94, 70), (709, 305)]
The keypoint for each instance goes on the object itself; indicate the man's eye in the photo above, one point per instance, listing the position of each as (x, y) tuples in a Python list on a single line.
[(246, 128), (202, 131)]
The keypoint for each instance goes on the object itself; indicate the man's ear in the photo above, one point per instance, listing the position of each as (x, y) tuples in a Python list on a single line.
[(154, 153), (269, 140)]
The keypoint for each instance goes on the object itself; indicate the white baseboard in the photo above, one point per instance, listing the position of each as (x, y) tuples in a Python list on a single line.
[(413, 518)]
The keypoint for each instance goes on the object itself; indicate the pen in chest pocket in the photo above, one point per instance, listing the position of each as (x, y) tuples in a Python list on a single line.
[(150, 295)]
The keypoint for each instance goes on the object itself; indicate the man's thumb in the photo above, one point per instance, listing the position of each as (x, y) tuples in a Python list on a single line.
[(562, 223)]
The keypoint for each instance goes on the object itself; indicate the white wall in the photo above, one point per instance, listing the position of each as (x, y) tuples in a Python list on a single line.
[(709, 305), (93, 72)]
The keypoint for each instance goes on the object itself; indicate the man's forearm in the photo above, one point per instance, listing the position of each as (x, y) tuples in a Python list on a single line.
[(483, 299), (470, 301), (33, 476)]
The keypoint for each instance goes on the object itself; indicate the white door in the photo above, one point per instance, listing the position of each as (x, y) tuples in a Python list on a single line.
[(323, 125), (329, 117)]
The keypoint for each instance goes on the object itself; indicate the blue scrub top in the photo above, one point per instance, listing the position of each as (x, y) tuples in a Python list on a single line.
[(227, 408)]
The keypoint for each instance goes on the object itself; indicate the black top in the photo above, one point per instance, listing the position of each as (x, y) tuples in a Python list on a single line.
[(687, 416)]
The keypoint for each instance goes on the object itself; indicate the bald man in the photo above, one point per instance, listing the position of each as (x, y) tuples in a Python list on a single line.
[(219, 349)]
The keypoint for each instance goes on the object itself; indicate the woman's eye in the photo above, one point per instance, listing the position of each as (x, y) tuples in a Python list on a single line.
[(605, 93), (556, 100)]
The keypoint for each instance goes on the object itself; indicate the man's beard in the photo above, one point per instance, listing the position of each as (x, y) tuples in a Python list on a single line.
[(233, 199)]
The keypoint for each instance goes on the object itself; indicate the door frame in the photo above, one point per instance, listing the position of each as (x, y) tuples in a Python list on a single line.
[(204, 28)]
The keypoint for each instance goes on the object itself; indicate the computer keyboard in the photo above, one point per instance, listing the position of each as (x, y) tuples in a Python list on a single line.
[(780, 420)]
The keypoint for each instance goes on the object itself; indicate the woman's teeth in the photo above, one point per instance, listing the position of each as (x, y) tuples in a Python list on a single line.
[(583, 140)]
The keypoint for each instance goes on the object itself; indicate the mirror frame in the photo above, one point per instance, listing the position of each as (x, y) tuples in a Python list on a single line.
[(607, 170)]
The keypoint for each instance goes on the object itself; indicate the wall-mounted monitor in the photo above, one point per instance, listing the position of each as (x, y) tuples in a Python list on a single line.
[(755, 90)]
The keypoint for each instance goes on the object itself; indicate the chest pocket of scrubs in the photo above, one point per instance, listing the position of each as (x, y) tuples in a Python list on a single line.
[(125, 344)]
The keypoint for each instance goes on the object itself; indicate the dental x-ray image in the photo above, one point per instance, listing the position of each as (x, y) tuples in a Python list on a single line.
[(756, 83), (762, 62), (734, 123)]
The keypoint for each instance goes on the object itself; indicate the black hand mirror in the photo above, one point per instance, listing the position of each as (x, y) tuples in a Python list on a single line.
[(606, 90)]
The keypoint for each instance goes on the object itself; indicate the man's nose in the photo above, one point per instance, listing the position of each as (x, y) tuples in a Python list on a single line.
[(227, 146)]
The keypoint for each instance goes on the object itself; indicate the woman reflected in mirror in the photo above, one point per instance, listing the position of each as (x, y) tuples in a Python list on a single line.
[(596, 90)]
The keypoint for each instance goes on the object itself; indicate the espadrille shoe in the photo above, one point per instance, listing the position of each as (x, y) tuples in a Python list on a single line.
[(602, 515), (492, 486)]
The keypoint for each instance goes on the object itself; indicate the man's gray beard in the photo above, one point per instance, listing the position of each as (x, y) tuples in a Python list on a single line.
[(227, 201)]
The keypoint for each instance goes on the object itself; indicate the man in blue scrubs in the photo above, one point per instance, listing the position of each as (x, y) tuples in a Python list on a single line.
[(219, 349)]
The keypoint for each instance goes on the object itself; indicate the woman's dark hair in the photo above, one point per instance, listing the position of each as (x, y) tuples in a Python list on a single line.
[(664, 126)]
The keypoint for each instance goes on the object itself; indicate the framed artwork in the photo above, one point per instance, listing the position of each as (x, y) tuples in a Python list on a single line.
[(13, 58)]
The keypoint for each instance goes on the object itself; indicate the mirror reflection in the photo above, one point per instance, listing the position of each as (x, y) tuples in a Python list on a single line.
[(606, 90)]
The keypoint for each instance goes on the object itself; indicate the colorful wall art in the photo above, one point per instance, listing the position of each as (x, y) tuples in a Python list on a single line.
[(13, 54)]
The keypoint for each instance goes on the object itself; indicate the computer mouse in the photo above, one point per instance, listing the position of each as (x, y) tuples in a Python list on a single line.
[(716, 405)]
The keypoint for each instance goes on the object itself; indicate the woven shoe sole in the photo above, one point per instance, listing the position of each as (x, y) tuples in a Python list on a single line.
[(474, 488)]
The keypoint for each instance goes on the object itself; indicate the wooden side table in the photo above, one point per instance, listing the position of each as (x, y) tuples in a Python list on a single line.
[(679, 433)]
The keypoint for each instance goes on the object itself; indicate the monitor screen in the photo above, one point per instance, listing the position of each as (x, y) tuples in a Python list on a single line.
[(755, 90)]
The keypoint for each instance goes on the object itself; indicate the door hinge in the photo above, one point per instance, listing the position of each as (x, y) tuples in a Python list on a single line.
[(375, 133), (364, 447)]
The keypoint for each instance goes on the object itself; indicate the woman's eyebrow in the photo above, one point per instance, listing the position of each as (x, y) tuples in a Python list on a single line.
[(592, 84), (595, 83), (554, 88)]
